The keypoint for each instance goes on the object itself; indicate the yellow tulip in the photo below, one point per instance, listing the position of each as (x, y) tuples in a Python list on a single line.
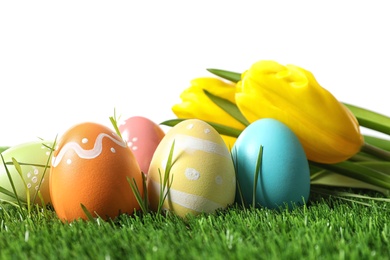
[(196, 104), (328, 131)]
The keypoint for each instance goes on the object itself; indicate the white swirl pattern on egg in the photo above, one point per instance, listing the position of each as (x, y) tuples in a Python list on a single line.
[(85, 154)]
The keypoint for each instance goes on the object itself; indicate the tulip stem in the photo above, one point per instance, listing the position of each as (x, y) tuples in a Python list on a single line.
[(376, 151), (370, 119)]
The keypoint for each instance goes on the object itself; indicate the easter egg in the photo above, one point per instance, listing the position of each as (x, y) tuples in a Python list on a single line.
[(34, 161), (142, 136), (283, 178), (90, 167), (3, 148), (201, 178)]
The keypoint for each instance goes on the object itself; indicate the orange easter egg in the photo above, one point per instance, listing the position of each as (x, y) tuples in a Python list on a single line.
[(90, 167)]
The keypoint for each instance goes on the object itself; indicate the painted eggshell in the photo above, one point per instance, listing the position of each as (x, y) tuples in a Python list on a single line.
[(90, 166), (202, 176), (3, 148), (142, 136), (32, 158), (284, 178)]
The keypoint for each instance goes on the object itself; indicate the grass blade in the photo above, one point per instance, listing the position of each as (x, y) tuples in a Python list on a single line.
[(47, 166), (43, 202), (8, 193), (137, 193), (19, 170), (29, 164), (145, 188), (114, 122), (348, 196), (165, 183), (86, 212), (169, 164), (12, 183), (257, 174), (235, 160)]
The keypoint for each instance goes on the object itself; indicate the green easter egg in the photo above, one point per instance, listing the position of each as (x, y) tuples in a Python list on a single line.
[(32, 158), (3, 148)]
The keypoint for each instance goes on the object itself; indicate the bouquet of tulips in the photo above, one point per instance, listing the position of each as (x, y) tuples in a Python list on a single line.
[(329, 130)]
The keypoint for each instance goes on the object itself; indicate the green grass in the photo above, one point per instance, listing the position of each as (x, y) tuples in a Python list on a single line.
[(327, 228)]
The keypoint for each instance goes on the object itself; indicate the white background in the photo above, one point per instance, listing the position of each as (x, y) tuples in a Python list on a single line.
[(66, 62)]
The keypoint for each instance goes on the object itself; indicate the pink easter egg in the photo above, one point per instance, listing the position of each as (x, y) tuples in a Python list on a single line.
[(142, 136)]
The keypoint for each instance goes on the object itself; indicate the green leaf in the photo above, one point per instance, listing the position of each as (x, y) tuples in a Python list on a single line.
[(228, 107), (360, 157), (375, 151), (221, 129), (225, 74), (173, 122), (378, 142), (333, 179), (382, 166), (370, 119), (359, 172)]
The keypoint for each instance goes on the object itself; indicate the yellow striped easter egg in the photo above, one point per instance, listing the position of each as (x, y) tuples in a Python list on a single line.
[(201, 178)]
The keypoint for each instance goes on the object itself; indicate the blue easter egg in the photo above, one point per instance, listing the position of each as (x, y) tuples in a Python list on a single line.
[(283, 177)]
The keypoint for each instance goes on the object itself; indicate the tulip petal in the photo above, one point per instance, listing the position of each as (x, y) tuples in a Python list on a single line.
[(196, 104), (328, 131)]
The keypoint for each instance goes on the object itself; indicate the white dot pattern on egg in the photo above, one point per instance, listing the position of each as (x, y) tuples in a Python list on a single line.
[(218, 180), (133, 143), (33, 178), (29, 156), (202, 169), (192, 174)]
